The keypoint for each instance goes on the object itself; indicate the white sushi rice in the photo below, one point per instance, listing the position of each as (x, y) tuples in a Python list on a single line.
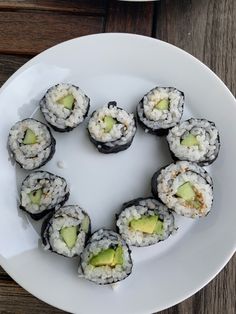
[(115, 286), (59, 116), (148, 207), (154, 118), (61, 164), (102, 240), (54, 190), (121, 132), (206, 134), (176, 175), (68, 216), (30, 156)]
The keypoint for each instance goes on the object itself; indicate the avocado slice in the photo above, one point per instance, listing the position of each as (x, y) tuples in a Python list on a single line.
[(186, 192), (109, 123), (145, 224), (69, 236), (67, 101), (162, 104), (189, 141), (85, 224), (159, 227), (118, 257), (35, 196), (104, 258), (29, 138)]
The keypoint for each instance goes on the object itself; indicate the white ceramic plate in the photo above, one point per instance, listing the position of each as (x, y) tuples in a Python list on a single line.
[(119, 67)]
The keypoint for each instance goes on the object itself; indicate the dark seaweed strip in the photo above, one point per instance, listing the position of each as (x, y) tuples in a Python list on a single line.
[(45, 236), (45, 230), (107, 149), (147, 129), (205, 162), (52, 145), (158, 130), (40, 215), (68, 128), (109, 234), (154, 184), (136, 202), (202, 163), (103, 148), (154, 189)]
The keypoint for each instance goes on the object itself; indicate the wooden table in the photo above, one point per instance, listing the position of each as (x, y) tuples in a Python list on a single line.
[(205, 28)]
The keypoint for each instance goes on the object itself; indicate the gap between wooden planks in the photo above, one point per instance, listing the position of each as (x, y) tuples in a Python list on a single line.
[(28, 32)]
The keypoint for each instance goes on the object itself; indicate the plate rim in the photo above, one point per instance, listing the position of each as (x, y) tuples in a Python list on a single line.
[(33, 60)]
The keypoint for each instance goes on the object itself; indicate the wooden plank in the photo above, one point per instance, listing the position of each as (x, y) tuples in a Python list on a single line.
[(14, 299), (39, 31), (82, 6), (130, 17), (8, 65), (206, 29), (4, 275)]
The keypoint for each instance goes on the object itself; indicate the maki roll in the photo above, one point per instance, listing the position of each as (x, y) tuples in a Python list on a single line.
[(185, 188), (111, 128), (145, 221), (43, 192), (64, 107), (65, 232), (106, 258), (195, 140), (31, 143), (160, 109)]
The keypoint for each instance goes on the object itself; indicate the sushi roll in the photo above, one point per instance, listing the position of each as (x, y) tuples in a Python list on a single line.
[(43, 192), (194, 140), (66, 231), (111, 128), (31, 143), (106, 258), (160, 109), (64, 107), (184, 187), (145, 221)]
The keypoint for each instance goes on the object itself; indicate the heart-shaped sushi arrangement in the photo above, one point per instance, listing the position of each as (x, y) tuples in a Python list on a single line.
[(182, 187)]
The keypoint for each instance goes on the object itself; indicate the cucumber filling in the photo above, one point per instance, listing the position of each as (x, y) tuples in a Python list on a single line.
[(190, 195), (35, 196), (30, 137), (186, 192), (109, 257), (189, 141), (85, 224), (109, 123), (67, 101), (162, 104), (69, 235), (147, 224)]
